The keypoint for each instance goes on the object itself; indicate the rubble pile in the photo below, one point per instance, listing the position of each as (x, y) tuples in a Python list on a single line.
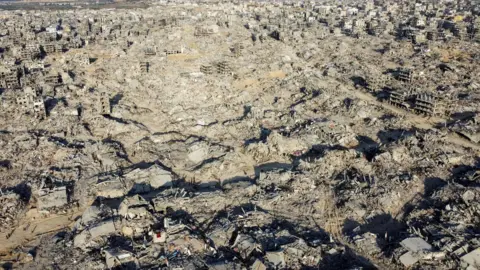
[(239, 135), (12, 206), (162, 234), (448, 220)]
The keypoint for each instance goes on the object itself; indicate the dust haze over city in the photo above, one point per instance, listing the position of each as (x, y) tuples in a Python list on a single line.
[(228, 135)]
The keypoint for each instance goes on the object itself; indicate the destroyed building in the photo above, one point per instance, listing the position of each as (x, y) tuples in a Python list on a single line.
[(239, 135)]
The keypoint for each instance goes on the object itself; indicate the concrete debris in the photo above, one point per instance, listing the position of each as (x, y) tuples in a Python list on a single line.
[(472, 259), (277, 259), (416, 245), (239, 135), (54, 197), (258, 265), (417, 248), (11, 207), (149, 179), (116, 258)]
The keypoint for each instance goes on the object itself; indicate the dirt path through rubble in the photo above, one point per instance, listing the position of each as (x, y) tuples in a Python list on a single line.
[(416, 120), (34, 225)]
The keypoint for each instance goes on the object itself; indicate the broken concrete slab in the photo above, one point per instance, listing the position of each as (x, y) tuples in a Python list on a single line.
[(102, 228), (276, 258), (472, 259), (416, 244), (258, 265), (48, 198)]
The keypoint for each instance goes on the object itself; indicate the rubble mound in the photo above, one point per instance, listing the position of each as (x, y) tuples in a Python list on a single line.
[(232, 135), (12, 206)]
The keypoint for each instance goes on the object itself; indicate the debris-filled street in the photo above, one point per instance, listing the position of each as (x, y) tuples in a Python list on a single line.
[(240, 135)]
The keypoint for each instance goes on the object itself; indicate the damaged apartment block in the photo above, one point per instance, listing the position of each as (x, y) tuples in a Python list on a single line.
[(399, 99), (405, 75), (82, 59), (377, 82), (104, 106), (10, 80), (53, 78), (174, 51), (237, 49), (144, 67), (150, 51), (39, 110), (426, 104), (201, 31), (207, 69), (223, 67), (49, 48), (31, 103)]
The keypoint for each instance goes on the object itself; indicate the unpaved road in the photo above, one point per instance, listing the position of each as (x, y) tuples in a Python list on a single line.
[(416, 120), (34, 225)]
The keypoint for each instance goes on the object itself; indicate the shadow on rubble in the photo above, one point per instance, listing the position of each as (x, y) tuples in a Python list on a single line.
[(459, 118), (72, 74), (387, 117), (6, 164), (395, 73), (23, 190), (346, 260), (319, 237), (296, 128), (432, 184), (477, 162), (273, 166), (264, 133), (116, 99), (459, 170), (382, 50), (313, 238), (7, 266), (187, 138), (246, 207), (117, 241), (207, 161), (51, 103), (466, 175), (382, 95), (38, 132), (423, 201), (126, 122), (388, 230), (232, 214), (119, 147), (368, 147), (307, 96), (394, 135), (62, 142), (180, 183), (463, 116), (358, 81), (317, 151), (246, 111), (112, 203), (237, 181), (391, 230), (145, 165)]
